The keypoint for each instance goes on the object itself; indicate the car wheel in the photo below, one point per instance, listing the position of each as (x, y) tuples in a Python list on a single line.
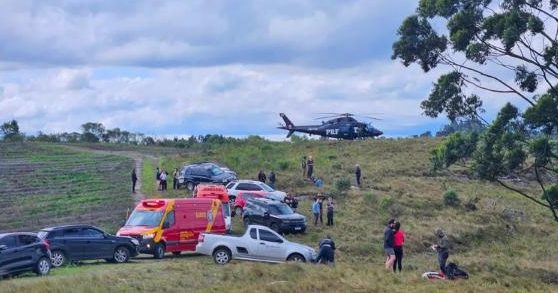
[(159, 251), (58, 258), (247, 221), (238, 211), (176, 253), (190, 186), (121, 254), (43, 266), (296, 257), (222, 256)]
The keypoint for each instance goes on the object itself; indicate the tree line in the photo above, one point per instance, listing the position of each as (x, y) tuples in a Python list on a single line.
[(94, 132)]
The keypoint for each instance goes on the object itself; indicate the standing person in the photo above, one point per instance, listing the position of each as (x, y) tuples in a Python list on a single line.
[(158, 178), (163, 178), (327, 251), (388, 244), (175, 178), (442, 248), (309, 167), (303, 167), (357, 174), (289, 199), (330, 208), (321, 202), (398, 241), (261, 176), (316, 211), (134, 180), (272, 179)]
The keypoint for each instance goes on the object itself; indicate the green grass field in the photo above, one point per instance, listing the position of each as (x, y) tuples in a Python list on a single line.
[(506, 244)]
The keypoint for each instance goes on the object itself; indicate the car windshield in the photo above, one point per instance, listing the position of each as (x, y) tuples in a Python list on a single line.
[(145, 218), (216, 171), (280, 209), (227, 210), (266, 188)]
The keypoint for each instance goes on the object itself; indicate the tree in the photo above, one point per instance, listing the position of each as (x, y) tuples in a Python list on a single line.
[(92, 132), (503, 47), (10, 131)]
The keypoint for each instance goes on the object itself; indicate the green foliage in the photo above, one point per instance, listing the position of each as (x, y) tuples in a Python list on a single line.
[(386, 202), (370, 198), (283, 165), (464, 125), (342, 184), (10, 131), (451, 198), (455, 147), (447, 96), (544, 114), (552, 195)]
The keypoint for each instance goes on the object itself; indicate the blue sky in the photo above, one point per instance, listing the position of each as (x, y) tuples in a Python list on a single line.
[(197, 67)]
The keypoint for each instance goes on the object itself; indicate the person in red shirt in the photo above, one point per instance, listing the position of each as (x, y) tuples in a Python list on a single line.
[(398, 241)]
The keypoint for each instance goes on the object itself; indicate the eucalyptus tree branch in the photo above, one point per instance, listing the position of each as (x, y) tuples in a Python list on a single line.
[(550, 205), (522, 193), (491, 77)]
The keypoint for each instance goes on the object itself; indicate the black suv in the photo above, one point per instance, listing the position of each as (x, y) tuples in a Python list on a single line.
[(84, 242), (22, 252), (192, 175), (273, 214)]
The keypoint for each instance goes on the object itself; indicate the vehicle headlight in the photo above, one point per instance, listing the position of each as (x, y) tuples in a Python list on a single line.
[(149, 236), (135, 242)]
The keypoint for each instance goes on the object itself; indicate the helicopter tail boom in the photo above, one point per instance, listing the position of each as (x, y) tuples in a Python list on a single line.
[(289, 125)]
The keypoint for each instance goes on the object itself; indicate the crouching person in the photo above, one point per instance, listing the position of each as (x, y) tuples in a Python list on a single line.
[(327, 251)]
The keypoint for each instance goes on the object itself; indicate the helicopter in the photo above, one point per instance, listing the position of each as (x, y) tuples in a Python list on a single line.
[(342, 126)]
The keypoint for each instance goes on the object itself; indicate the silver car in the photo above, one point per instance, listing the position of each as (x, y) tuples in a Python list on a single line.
[(235, 187), (259, 243)]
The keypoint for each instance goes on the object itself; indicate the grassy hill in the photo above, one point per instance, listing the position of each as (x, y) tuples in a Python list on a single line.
[(42, 185), (505, 243)]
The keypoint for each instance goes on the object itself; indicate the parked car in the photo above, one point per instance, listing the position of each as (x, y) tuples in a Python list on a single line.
[(173, 225), (276, 215), (251, 185), (22, 252), (84, 242), (223, 167), (192, 175), (242, 197), (258, 243)]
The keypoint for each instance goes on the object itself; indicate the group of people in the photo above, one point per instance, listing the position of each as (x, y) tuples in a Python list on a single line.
[(317, 210), (307, 167), (291, 201), (161, 177), (394, 239), (263, 178)]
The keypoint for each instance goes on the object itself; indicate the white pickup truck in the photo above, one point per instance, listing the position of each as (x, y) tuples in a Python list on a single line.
[(259, 243)]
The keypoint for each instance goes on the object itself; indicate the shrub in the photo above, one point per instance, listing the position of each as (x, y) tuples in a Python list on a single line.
[(451, 198), (386, 202), (370, 197), (342, 184), (283, 165)]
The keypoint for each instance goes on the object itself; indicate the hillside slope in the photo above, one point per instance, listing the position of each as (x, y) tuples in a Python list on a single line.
[(506, 243), (44, 184)]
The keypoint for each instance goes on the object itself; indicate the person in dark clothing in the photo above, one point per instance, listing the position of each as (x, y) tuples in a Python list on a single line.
[(261, 176), (398, 241), (357, 174), (442, 248), (272, 179), (175, 178), (330, 208), (158, 178), (388, 244), (309, 167), (303, 166), (321, 203), (134, 180), (327, 251)]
